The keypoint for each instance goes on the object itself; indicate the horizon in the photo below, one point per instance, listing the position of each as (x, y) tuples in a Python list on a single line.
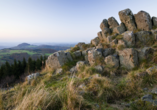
[(59, 20)]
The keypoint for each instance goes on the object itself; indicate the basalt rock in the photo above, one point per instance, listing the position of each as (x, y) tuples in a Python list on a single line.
[(104, 24), (143, 21), (112, 22), (154, 21), (119, 29), (126, 17), (128, 58), (58, 59)]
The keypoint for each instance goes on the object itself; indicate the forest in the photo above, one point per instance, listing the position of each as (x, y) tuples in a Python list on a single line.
[(10, 73)]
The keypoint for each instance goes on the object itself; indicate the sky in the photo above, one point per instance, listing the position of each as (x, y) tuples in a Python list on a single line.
[(61, 21)]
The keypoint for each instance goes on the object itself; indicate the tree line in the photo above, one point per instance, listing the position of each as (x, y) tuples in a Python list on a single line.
[(20, 67)]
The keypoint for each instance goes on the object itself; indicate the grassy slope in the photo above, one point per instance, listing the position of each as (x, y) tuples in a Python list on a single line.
[(85, 90)]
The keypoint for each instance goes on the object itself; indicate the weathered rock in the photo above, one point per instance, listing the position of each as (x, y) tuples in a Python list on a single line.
[(128, 58), (80, 45), (112, 61), (143, 21), (151, 70), (104, 24), (59, 71), (108, 51), (77, 54), (121, 43), (85, 53), (73, 70), (119, 29), (129, 38), (99, 69), (32, 76), (112, 22), (154, 91), (58, 59), (143, 37), (154, 32), (148, 98), (106, 31), (100, 35), (94, 55), (154, 21), (80, 64), (95, 41), (126, 17), (110, 38), (144, 52)]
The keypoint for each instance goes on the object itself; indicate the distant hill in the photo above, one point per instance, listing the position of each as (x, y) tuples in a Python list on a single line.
[(23, 45), (29, 46)]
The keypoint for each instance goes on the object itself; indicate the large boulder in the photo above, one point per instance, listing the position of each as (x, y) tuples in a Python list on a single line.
[(129, 38), (94, 55), (95, 41), (108, 51), (104, 24), (144, 52), (128, 58), (126, 17), (119, 29), (112, 22), (143, 21), (112, 61), (58, 59), (154, 21), (143, 37)]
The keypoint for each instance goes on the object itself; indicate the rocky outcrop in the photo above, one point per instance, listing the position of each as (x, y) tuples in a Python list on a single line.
[(143, 21), (104, 24), (112, 61), (112, 22), (128, 58), (58, 59), (126, 17)]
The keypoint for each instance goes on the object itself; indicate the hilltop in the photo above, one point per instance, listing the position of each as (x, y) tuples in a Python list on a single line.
[(116, 71)]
